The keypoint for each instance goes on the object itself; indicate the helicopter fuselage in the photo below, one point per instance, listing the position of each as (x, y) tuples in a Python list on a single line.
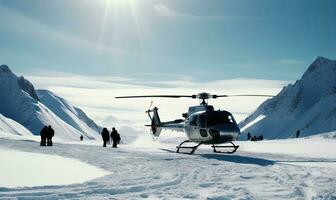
[(211, 127), (202, 124)]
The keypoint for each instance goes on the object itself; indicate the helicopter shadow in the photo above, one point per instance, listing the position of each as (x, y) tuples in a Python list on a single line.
[(233, 158), (262, 162), (239, 159)]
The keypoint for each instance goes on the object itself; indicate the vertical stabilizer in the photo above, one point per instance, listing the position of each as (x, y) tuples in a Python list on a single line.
[(155, 121)]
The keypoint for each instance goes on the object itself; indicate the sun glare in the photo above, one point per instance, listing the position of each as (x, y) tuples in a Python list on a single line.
[(119, 2), (114, 7)]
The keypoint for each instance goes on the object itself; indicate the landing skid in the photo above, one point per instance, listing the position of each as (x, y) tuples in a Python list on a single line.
[(193, 148), (234, 147)]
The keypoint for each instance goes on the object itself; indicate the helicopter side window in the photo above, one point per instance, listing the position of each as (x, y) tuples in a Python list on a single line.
[(193, 121)]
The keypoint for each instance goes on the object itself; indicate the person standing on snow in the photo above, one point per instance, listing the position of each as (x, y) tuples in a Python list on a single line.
[(50, 135), (115, 137), (43, 135), (106, 136), (297, 133)]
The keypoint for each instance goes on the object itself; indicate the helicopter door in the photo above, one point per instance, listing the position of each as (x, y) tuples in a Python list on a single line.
[(201, 121), (193, 126), (193, 120), (202, 125)]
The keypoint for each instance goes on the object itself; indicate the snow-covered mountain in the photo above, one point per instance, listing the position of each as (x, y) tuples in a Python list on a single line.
[(20, 102), (9, 126), (308, 105), (68, 113)]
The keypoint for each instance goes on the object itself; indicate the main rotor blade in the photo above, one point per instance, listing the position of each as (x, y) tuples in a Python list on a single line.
[(244, 95), (156, 96)]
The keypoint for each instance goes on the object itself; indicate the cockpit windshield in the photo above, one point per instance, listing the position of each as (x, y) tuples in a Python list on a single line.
[(217, 118)]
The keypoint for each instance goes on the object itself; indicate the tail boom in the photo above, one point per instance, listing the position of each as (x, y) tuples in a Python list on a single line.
[(157, 126)]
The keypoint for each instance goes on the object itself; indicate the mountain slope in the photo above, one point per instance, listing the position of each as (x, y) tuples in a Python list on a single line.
[(71, 115), (9, 126), (308, 105), (19, 101)]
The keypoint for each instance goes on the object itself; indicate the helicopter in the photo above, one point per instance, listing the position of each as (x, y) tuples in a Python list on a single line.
[(202, 123)]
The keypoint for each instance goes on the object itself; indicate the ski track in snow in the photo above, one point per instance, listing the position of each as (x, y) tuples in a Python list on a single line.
[(160, 174)]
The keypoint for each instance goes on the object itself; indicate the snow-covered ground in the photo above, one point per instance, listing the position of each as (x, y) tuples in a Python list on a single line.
[(279, 169), (34, 169)]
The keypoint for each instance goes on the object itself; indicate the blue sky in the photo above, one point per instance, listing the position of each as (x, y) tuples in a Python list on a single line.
[(165, 39)]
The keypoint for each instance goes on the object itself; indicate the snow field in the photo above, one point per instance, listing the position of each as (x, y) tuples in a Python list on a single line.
[(161, 174), (22, 169)]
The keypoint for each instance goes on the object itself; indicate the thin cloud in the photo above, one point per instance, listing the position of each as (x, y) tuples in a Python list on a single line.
[(47, 79), (291, 62), (165, 11), (95, 95)]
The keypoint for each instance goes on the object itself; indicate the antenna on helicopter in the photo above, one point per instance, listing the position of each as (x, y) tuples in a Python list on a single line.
[(150, 106)]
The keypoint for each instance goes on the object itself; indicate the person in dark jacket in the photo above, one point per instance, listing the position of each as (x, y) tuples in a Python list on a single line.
[(248, 136), (106, 136), (115, 137), (254, 138), (81, 138), (50, 135), (297, 133), (43, 135)]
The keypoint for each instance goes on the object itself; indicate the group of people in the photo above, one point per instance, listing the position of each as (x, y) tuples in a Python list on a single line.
[(261, 137), (254, 138), (47, 133), (115, 137)]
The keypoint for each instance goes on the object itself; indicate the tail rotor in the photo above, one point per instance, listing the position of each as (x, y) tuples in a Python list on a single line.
[(153, 115)]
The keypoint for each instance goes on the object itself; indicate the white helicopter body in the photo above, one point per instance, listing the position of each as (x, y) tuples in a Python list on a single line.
[(202, 124)]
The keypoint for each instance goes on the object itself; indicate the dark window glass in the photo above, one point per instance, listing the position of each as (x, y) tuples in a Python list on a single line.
[(217, 118), (203, 133), (193, 120), (201, 121)]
